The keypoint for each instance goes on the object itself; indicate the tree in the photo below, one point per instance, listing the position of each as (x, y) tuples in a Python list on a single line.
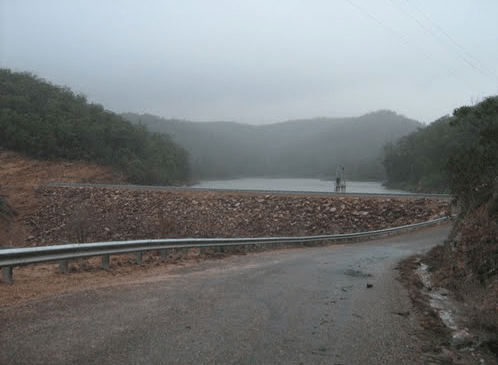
[(417, 161), (473, 166)]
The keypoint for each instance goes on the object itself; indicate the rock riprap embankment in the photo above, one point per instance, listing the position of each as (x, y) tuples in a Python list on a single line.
[(92, 214)]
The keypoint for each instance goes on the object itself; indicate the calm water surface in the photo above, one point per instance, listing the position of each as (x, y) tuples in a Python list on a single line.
[(311, 185)]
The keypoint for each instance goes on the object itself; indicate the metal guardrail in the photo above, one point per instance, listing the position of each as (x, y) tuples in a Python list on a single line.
[(10, 258)]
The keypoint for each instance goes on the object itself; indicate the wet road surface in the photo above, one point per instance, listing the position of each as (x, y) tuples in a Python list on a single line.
[(339, 304)]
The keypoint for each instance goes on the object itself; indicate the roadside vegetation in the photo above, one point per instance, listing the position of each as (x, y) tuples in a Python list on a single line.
[(455, 154), (45, 121), (417, 161), (459, 154), (468, 263)]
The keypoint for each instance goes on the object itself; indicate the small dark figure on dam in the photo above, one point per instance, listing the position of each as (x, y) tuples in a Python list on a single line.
[(340, 183)]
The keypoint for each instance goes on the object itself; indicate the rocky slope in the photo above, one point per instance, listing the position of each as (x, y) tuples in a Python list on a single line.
[(89, 214), (48, 215)]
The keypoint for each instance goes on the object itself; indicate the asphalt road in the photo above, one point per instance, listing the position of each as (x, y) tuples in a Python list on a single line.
[(296, 306)]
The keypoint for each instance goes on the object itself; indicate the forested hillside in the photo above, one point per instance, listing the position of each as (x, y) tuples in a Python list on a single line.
[(467, 263), (417, 161), (428, 159), (300, 148), (46, 121)]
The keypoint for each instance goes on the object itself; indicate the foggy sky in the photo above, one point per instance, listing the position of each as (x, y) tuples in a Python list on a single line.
[(259, 61)]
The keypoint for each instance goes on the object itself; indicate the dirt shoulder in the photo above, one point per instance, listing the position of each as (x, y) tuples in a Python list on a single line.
[(437, 339)]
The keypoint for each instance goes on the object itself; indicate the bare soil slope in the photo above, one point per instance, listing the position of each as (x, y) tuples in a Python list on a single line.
[(20, 179)]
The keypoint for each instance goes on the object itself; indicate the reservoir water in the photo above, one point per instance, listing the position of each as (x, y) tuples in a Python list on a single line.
[(304, 185)]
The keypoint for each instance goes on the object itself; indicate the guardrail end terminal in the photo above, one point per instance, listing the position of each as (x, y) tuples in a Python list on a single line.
[(7, 275)]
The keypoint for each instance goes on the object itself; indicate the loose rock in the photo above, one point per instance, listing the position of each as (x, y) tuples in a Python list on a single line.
[(89, 214)]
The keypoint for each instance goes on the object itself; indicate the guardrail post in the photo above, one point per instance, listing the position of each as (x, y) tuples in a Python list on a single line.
[(138, 260), (7, 273), (164, 254), (105, 261), (63, 266)]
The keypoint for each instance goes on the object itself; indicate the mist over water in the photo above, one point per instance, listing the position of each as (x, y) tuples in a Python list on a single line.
[(305, 185)]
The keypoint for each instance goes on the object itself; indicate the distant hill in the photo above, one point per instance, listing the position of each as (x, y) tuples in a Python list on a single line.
[(297, 148)]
